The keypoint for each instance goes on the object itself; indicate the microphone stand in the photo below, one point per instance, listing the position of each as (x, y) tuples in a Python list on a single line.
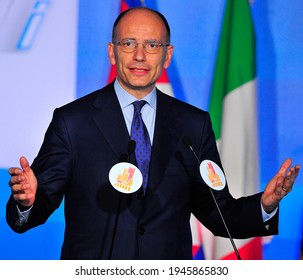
[(130, 149), (187, 143), (115, 227)]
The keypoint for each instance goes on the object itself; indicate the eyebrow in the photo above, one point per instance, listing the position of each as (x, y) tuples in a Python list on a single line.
[(148, 40)]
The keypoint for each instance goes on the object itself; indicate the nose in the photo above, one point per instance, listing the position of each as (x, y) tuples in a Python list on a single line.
[(139, 53)]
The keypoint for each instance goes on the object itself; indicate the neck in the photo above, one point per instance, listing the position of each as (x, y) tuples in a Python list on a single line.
[(137, 92)]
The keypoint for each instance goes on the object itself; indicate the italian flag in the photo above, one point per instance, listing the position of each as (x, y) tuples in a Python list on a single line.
[(234, 116)]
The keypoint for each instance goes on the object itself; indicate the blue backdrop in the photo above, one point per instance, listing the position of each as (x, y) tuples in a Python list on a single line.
[(195, 27)]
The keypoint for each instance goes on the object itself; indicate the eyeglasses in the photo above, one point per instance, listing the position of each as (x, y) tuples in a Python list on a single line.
[(129, 46)]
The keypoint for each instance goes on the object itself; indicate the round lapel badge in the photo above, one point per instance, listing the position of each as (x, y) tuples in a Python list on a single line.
[(212, 175), (125, 177)]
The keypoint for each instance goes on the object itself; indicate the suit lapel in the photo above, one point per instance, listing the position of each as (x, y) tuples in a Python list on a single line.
[(166, 137), (110, 121)]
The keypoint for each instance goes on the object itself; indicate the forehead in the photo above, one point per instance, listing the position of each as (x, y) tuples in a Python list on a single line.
[(141, 24)]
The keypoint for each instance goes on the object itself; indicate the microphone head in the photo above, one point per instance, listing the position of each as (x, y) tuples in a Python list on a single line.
[(186, 141), (131, 146)]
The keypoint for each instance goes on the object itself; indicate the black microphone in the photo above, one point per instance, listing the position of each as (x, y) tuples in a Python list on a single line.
[(187, 143), (130, 149)]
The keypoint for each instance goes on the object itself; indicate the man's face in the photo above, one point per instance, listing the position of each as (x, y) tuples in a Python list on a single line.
[(138, 71)]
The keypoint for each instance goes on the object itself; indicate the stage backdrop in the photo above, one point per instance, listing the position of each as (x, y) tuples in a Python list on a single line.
[(52, 52)]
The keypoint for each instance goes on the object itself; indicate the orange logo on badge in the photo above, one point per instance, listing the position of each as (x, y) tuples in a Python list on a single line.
[(213, 176), (125, 180)]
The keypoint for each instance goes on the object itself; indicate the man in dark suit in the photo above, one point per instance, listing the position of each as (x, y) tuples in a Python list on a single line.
[(90, 135)]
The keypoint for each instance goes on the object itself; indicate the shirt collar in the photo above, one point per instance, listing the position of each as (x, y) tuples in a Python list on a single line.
[(126, 99)]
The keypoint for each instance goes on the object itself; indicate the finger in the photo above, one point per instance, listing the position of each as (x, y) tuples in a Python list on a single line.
[(16, 188), (13, 181), (290, 178), (22, 196), (296, 169), (17, 179), (284, 167), (21, 189), (292, 174), (14, 171)]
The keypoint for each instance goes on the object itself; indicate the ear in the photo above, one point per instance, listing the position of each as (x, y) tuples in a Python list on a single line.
[(168, 57), (111, 53)]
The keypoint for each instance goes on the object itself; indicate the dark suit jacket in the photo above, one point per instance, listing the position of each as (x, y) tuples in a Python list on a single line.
[(86, 138)]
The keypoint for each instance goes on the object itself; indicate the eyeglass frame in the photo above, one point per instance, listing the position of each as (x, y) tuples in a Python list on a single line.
[(133, 41)]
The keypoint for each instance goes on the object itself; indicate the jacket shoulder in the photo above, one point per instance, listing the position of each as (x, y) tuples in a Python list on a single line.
[(86, 101), (178, 106)]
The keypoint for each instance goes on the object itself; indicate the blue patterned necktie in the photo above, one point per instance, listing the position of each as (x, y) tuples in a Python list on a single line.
[(139, 134)]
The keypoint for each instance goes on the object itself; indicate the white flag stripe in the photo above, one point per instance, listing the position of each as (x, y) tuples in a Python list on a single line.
[(240, 163), (166, 88)]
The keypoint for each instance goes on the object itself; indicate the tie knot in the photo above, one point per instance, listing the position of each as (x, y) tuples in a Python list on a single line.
[(138, 105)]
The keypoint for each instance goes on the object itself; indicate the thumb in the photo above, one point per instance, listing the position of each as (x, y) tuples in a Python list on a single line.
[(24, 164)]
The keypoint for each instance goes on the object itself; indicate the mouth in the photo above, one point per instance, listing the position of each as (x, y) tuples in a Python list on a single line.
[(138, 71)]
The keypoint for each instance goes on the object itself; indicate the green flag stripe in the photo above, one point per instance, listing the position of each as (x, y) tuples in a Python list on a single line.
[(235, 63)]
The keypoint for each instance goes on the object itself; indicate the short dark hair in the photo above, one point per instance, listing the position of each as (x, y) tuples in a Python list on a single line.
[(161, 16)]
